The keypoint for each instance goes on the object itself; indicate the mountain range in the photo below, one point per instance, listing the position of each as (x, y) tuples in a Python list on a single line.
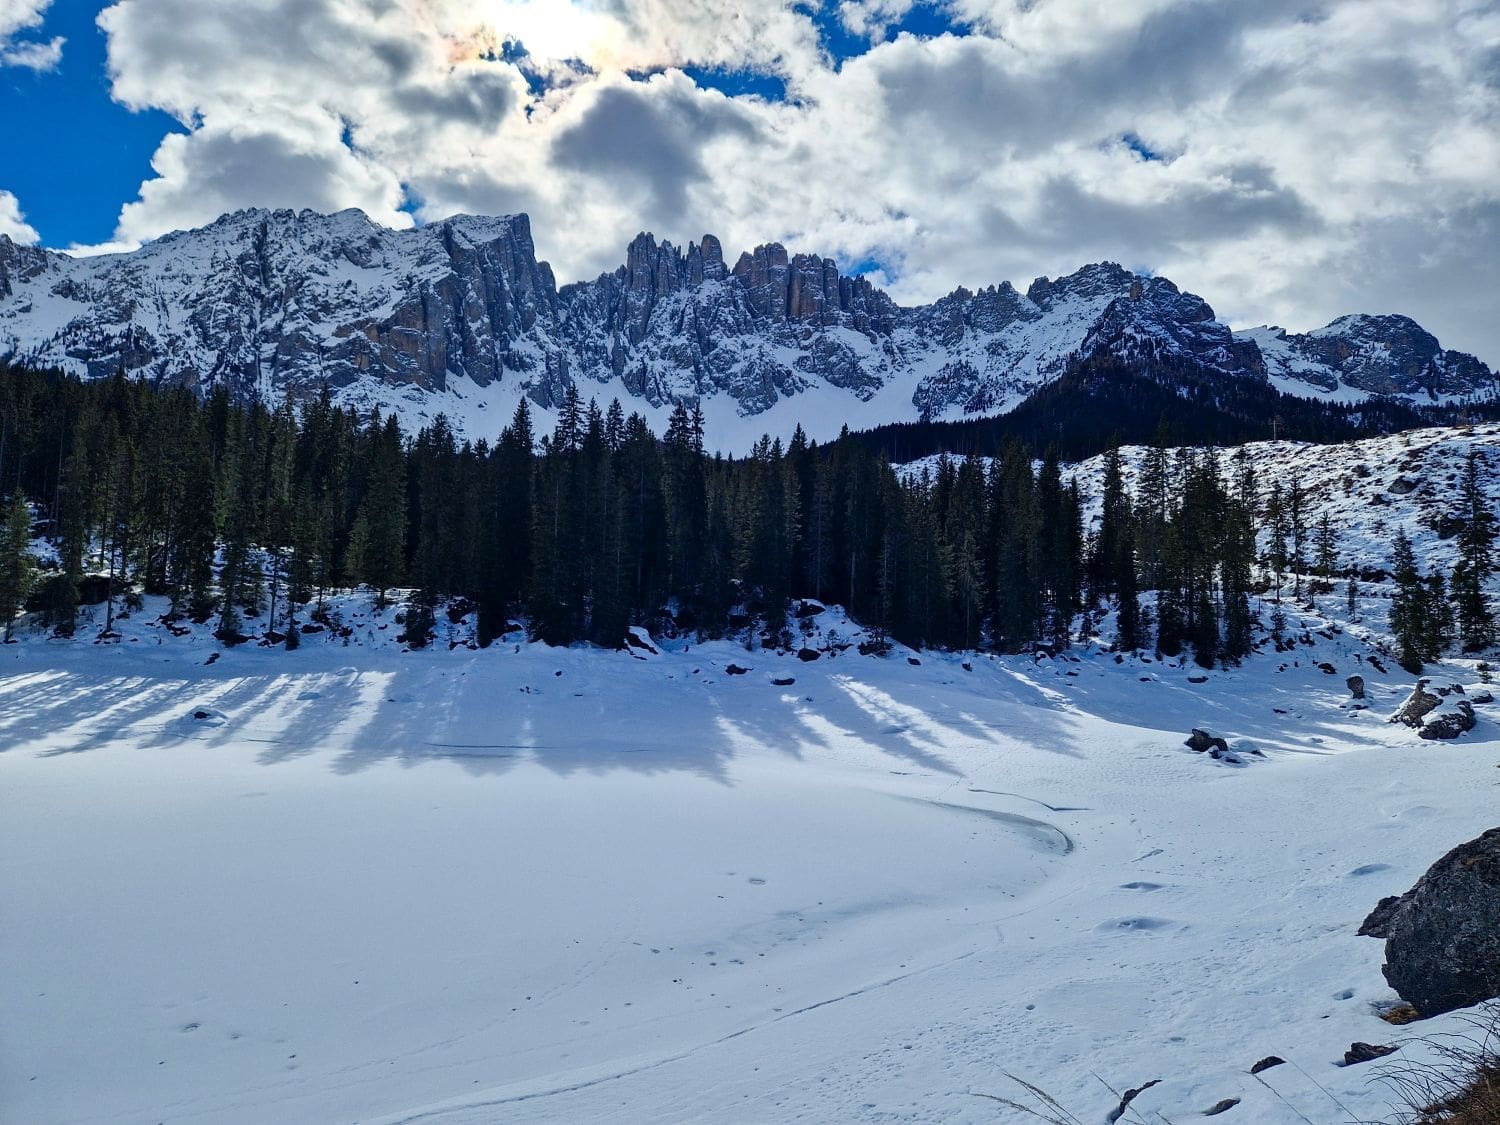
[(460, 317)]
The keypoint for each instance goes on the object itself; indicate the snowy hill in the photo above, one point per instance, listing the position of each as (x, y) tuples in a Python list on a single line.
[(351, 883), (1368, 488), (460, 317)]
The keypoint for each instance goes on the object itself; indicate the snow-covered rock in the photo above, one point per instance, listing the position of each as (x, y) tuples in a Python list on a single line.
[(461, 317), (1436, 710)]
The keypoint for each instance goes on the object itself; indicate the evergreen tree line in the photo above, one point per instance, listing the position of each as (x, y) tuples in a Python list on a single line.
[(238, 511)]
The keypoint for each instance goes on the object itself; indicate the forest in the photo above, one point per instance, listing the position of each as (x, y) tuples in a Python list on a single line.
[(248, 517)]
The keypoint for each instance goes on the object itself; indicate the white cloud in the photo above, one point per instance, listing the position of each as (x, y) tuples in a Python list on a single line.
[(872, 19), (1289, 160), (17, 16), (13, 223)]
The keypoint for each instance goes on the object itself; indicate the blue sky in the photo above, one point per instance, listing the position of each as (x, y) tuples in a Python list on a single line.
[(77, 155), (85, 155), (1294, 160)]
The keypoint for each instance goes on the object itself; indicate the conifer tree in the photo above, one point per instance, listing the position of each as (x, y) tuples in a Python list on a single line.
[(1408, 606), (1327, 548), (1476, 561), (17, 568)]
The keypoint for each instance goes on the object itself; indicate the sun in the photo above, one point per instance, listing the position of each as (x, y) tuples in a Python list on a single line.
[(551, 30)]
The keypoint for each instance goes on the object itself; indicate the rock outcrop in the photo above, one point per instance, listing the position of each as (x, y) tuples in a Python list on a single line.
[(1436, 710), (267, 303), (1384, 355), (1442, 937)]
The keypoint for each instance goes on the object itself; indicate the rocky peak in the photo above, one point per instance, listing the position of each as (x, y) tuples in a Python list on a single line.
[(1387, 355), (1100, 279), (705, 261), (267, 303)]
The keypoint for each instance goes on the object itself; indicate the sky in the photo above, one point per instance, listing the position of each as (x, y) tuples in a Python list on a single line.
[(1290, 160)]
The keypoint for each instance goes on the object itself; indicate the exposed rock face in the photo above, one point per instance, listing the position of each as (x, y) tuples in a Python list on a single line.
[(266, 303), (1386, 355), (1436, 711), (1442, 938)]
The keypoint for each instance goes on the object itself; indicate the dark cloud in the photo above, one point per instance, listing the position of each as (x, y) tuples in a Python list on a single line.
[(650, 134)]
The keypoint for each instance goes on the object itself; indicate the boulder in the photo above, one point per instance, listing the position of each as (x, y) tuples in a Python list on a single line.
[(1200, 741), (735, 670), (1356, 686), (1442, 937), (808, 655), (1436, 710), (1367, 1052), (1267, 1063)]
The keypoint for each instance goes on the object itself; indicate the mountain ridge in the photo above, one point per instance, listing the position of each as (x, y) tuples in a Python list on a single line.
[(461, 317)]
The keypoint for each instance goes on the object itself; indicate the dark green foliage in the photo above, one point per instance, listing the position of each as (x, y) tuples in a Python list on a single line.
[(1476, 562), (245, 516), (1409, 609), (1104, 400), (16, 568)]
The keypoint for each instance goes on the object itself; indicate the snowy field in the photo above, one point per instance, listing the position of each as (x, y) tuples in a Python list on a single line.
[(532, 884)]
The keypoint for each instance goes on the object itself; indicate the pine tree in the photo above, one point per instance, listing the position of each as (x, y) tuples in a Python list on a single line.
[(377, 552), (1296, 522), (1437, 617), (1476, 561), (1327, 548), (1276, 522), (17, 569), (1408, 606)]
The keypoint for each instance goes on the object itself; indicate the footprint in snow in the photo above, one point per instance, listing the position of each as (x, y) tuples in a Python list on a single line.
[(1141, 925)]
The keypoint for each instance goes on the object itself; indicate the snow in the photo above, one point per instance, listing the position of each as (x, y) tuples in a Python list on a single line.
[(1350, 482), (269, 295), (536, 884)]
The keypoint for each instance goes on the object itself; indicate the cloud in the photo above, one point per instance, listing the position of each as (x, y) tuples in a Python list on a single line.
[(13, 223), (1319, 156), (18, 16), (872, 19)]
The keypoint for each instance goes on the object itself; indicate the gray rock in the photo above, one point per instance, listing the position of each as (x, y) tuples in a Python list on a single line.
[(1442, 938), (1200, 741), (1356, 686), (275, 303), (1436, 710), (1367, 1052)]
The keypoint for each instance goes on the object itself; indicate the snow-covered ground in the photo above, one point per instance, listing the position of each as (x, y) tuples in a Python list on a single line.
[(533, 884), (1368, 488)]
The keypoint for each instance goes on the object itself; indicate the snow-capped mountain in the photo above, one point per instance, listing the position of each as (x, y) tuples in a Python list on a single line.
[(1360, 355), (461, 317)]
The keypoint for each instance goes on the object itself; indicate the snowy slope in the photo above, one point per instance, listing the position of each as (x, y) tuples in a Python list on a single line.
[(461, 317), (532, 884), (1369, 488)]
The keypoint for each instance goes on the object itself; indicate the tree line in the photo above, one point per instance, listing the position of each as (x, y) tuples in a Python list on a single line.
[(242, 513)]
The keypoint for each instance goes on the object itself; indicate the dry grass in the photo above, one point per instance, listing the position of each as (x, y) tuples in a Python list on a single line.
[(1461, 1086)]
